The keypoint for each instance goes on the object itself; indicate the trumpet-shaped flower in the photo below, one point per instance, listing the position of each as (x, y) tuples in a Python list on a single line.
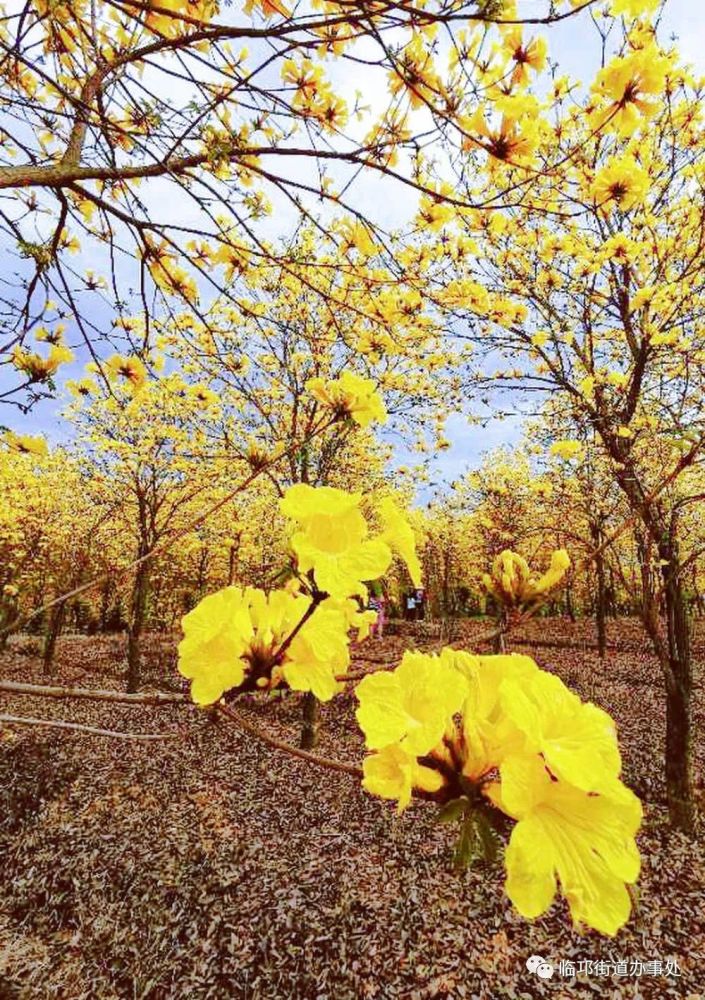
[(622, 181), (236, 636), (512, 583), (410, 706), (393, 774), (131, 369), (584, 840), (578, 741), (558, 765), (489, 733), (38, 368), (333, 540)]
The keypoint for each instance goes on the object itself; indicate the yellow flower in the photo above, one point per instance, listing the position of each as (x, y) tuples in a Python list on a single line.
[(558, 764), (566, 449), (215, 639), (204, 396), (25, 444), (525, 57), (623, 181), (239, 637), (410, 706), (37, 368), (512, 583), (629, 83), (131, 369), (509, 579), (333, 541), (577, 740), (583, 840), (489, 732), (393, 774), (350, 396), (83, 387)]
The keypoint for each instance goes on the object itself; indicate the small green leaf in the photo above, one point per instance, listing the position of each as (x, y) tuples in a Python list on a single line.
[(453, 810), (466, 848), (487, 836)]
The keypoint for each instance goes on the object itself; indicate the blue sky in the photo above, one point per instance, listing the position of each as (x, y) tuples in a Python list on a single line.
[(574, 45)]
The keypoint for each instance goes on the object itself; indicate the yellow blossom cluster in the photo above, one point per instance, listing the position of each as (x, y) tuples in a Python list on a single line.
[(242, 639), (513, 584), (38, 368), (495, 734), (350, 396)]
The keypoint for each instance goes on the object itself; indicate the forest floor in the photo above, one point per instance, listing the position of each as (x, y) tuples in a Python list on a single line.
[(210, 865)]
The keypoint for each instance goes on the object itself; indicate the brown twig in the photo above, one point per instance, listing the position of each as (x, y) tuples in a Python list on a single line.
[(94, 694), (57, 724)]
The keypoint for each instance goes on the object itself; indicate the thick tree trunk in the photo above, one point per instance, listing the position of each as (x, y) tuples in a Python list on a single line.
[(310, 721), (675, 658), (679, 690), (137, 615), (56, 621)]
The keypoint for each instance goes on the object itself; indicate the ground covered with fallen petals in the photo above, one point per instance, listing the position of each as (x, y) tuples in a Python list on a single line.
[(209, 865)]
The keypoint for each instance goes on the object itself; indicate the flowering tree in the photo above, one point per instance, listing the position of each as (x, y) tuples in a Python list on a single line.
[(595, 291), (118, 109)]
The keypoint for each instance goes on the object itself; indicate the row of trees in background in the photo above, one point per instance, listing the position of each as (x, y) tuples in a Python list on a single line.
[(68, 521)]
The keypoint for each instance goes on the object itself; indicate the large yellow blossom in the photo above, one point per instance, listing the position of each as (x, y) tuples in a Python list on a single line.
[(583, 840), (629, 85), (410, 706), (38, 368), (577, 741), (512, 737), (131, 369), (240, 636), (532, 55), (621, 180), (333, 541), (489, 733)]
